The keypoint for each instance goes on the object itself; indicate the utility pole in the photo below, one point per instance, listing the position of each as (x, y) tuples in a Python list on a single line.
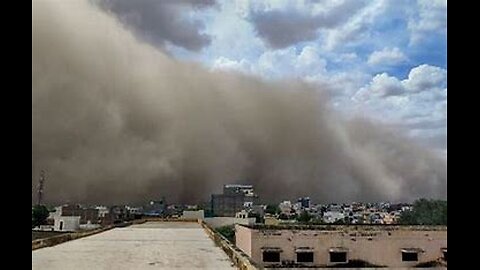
[(41, 182)]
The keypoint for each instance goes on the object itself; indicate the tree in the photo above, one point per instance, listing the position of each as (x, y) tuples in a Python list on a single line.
[(304, 217), (426, 212), (228, 232), (39, 215), (340, 221), (272, 209)]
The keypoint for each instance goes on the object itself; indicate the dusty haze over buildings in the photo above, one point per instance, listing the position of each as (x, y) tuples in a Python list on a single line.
[(116, 120)]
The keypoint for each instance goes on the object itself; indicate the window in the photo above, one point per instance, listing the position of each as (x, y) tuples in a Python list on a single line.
[(409, 256), (444, 251), (304, 257), (338, 256), (271, 256)]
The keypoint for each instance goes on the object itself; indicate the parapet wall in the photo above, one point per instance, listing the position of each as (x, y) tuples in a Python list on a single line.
[(240, 259), (55, 240)]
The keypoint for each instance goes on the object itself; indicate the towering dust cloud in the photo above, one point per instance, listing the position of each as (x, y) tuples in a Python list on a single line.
[(117, 120)]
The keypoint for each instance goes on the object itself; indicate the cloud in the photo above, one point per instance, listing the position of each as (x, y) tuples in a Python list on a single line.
[(430, 18), (357, 28), (287, 63), (383, 85), (115, 120), (387, 57), (416, 104), (223, 63), (162, 21), (284, 25), (425, 77)]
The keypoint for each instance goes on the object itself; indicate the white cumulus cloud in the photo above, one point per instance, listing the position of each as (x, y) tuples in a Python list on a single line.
[(223, 63), (425, 77), (387, 56)]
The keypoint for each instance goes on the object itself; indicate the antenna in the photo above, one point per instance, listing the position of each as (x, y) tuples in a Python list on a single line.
[(41, 181)]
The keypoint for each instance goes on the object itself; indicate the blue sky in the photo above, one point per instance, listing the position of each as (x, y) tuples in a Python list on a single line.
[(381, 59)]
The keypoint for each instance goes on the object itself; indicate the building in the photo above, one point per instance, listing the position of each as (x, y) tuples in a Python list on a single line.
[(87, 215), (234, 199), (216, 222), (238, 188), (227, 205), (285, 207), (135, 212), (271, 220), (102, 211), (242, 214), (247, 190), (66, 223), (193, 214), (352, 246), (333, 216), (258, 209), (304, 202), (155, 208)]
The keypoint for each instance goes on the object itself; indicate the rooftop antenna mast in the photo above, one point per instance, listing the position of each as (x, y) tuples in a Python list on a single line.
[(41, 182)]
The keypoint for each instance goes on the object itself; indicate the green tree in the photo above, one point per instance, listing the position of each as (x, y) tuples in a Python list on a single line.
[(39, 215), (426, 212), (272, 209), (340, 221), (228, 232), (304, 217)]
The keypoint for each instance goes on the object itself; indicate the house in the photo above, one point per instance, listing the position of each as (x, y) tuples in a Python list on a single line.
[(191, 214), (341, 245), (66, 223), (87, 215)]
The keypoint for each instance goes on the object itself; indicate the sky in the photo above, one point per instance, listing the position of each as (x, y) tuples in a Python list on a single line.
[(380, 59), (141, 99)]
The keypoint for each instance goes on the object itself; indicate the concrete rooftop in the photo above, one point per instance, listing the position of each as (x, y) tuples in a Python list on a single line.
[(152, 245)]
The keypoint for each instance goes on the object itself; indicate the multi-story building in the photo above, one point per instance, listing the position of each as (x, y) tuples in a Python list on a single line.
[(348, 246), (238, 188), (285, 207), (87, 215), (102, 211), (250, 197), (235, 198), (227, 205), (304, 202)]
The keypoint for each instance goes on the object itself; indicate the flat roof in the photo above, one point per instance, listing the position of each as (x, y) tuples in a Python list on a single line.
[(359, 227), (238, 185), (152, 245)]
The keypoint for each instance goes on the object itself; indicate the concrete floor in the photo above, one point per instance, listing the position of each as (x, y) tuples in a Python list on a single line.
[(152, 245)]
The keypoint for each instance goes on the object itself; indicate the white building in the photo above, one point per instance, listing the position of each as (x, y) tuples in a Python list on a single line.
[(242, 214), (297, 207), (285, 207), (332, 216), (66, 223), (102, 211), (188, 214), (56, 213), (134, 210)]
